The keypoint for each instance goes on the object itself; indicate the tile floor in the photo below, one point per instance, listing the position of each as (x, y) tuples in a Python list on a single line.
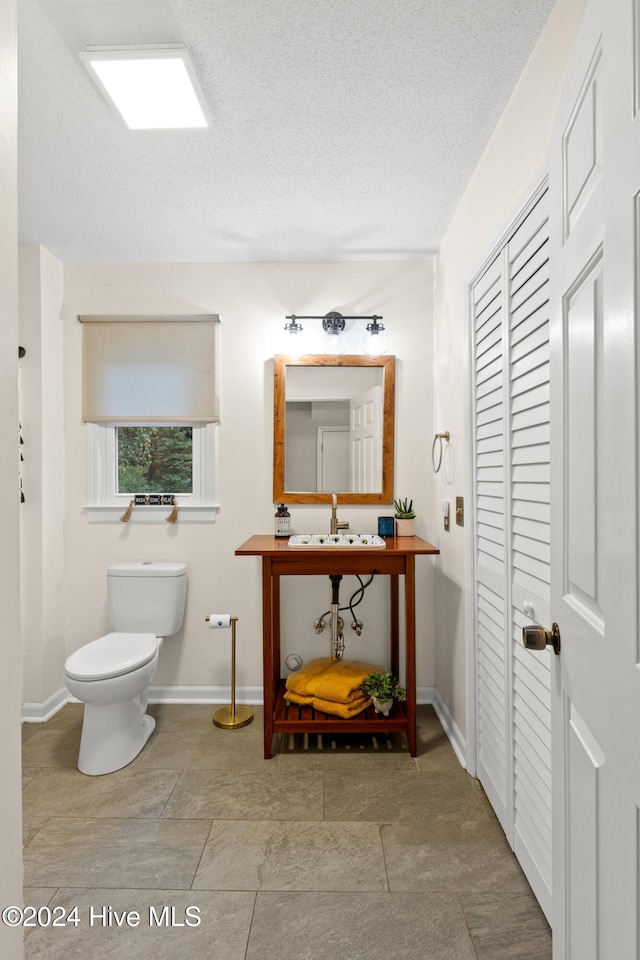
[(332, 850)]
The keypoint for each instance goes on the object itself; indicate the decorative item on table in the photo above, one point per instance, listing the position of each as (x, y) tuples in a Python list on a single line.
[(405, 518), (386, 526), (283, 522), (383, 688), (330, 686)]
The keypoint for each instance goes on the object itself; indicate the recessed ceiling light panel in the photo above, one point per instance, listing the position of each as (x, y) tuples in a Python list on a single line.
[(153, 88)]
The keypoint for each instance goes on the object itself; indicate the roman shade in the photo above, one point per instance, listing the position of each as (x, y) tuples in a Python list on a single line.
[(149, 369)]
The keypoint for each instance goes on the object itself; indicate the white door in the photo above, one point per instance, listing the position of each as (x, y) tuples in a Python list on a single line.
[(595, 197), (333, 459), (510, 338), (366, 441)]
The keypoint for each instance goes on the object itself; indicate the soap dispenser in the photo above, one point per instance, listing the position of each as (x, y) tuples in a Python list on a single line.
[(283, 522)]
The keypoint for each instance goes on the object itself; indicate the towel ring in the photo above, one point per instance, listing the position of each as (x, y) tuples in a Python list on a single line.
[(440, 437)]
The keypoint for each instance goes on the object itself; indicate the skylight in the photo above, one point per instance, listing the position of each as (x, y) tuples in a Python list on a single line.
[(153, 88)]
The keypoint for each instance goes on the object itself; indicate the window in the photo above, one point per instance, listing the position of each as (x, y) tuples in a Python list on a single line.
[(110, 487), (149, 403), (152, 459)]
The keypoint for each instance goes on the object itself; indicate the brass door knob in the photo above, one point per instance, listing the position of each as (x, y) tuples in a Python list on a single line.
[(537, 638)]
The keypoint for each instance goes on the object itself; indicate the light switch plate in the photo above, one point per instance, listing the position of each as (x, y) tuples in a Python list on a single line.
[(460, 511)]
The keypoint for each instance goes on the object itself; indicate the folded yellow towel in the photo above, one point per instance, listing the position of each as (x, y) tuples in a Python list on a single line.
[(293, 697), (296, 698), (340, 681), (297, 682), (345, 710), (331, 686)]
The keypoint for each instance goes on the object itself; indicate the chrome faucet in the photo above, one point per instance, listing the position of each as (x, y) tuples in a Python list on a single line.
[(335, 523)]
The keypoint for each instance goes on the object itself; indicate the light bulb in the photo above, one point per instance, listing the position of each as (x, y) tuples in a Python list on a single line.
[(293, 340), (375, 344), (335, 343)]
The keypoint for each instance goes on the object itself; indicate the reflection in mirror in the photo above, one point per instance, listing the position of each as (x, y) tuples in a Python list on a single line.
[(333, 428)]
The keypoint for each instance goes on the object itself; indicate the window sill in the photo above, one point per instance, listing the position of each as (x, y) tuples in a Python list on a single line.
[(145, 514)]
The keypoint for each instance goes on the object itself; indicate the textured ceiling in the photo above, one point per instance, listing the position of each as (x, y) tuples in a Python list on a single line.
[(341, 129)]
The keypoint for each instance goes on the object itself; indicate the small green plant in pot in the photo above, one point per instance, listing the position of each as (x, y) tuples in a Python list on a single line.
[(405, 518), (382, 688)]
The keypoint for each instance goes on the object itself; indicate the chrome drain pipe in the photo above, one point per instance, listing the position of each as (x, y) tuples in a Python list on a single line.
[(337, 637)]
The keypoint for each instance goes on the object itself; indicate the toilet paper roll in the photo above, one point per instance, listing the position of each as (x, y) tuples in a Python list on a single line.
[(219, 620)]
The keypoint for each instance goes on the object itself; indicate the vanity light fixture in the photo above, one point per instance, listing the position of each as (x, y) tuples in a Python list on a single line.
[(334, 323), (153, 87)]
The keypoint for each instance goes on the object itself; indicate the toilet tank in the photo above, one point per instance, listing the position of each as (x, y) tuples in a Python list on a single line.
[(147, 597)]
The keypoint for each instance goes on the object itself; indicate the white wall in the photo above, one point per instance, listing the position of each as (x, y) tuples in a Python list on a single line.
[(10, 813), (43, 471), (513, 161), (252, 300)]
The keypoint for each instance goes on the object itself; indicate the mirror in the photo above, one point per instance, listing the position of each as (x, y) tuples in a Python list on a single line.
[(333, 420)]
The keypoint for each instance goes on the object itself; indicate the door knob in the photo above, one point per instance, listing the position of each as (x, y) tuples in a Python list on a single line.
[(537, 638)]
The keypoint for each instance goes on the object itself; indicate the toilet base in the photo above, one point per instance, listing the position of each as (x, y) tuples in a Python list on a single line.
[(113, 735)]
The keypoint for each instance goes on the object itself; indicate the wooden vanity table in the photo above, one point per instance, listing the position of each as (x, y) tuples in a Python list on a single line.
[(280, 560)]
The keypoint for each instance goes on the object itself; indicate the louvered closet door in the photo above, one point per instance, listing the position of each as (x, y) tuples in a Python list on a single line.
[(528, 265), (492, 668), (511, 461)]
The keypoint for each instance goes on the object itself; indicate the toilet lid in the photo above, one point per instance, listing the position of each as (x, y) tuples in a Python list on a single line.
[(111, 656)]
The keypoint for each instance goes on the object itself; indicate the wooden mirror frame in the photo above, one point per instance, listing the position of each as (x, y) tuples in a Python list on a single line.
[(281, 362)]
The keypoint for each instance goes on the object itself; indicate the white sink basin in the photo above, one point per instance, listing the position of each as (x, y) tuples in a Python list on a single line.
[(336, 540)]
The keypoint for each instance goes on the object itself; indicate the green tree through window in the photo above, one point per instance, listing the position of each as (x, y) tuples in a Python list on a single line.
[(155, 459)]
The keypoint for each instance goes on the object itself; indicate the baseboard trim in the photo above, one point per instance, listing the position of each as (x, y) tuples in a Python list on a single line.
[(180, 694), (451, 729), (41, 712), (425, 694)]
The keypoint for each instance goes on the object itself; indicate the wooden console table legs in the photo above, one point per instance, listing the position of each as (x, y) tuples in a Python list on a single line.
[(410, 648), (270, 670), (405, 722)]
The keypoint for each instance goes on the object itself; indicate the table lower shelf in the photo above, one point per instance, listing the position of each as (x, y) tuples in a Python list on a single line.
[(293, 718)]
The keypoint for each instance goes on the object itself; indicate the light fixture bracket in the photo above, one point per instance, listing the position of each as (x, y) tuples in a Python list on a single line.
[(333, 323), (294, 326), (374, 327)]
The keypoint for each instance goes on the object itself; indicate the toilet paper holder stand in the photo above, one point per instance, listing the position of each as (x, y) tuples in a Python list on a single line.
[(231, 716)]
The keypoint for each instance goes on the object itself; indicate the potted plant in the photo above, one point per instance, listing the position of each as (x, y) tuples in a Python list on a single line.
[(405, 518), (382, 688)]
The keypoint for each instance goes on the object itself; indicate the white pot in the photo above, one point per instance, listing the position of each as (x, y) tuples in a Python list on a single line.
[(382, 706), (405, 528)]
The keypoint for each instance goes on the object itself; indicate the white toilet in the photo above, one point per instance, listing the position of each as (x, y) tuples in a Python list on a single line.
[(111, 675)]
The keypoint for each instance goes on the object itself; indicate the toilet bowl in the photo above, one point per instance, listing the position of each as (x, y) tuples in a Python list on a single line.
[(111, 675), (115, 726)]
